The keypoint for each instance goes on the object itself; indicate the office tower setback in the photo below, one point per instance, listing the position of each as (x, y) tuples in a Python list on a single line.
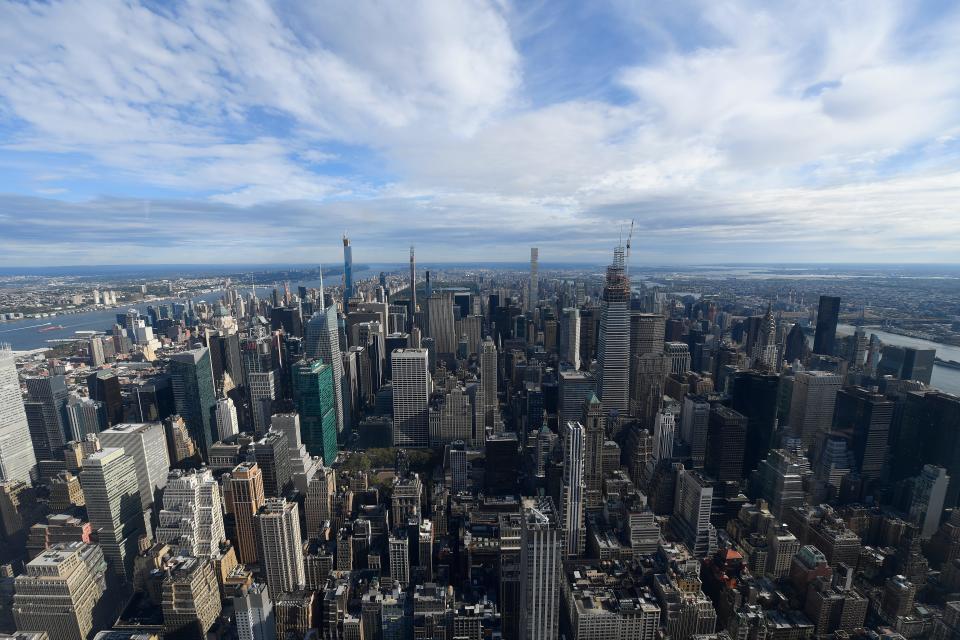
[(243, 495), (17, 460), (278, 534), (613, 349), (411, 393), (828, 314), (691, 512), (227, 422), (194, 395), (189, 598), (112, 493), (60, 592), (191, 520)]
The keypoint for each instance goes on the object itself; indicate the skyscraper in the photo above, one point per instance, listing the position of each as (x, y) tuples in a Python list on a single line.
[(572, 490), (828, 315), (594, 435), (194, 395), (907, 363), (112, 494), (570, 336), (863, 418), (146, 444), (17, 460), (60, 590), (540, 570), (254, 613), (191, 520), (50, 392), (411, 321), (278, 534), (727, 438), (411, 393), (534, 288), (440, 324), (243, 494), (926, 504), (347, 274), (488, 382), (691, 512), (227, 423), (314, 391), (812, 403), (755, 395), (613, 350), (323, 341)]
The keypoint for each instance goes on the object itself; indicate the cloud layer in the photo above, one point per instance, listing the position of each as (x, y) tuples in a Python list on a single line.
[(197, 132)]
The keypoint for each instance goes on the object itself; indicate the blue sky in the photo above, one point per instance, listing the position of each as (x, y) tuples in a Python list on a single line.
[(176, 132)]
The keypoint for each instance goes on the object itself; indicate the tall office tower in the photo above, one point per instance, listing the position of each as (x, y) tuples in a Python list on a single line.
[(594, 426), (323, 341), (766, 351), (649, 372), (411, 394), (413, 293), (503, 462), (85, 417), (863, 419), (575, 388), (664, 434), (779, 480), (180, 445), (726, 442), (440, 324), (52, 395), (926, 504), (112, 494), (695, 427), (278, 533), (907, 363), (647, 332), (812, 404), (189, 598), (104, 386), (95, 352), (755, 395), (679, 356), (456, 417), (264, 390), (194, 396), (59, 592), (318, 506), (272, 455), (828, 315), (398, 550), (613, 349), (243, 495), (191, 520), (488, 382), (314, 391), (691, 512), (572, 490), (540, 570), (782, 546), (533, 294), (146, 444), (570, 336), (227, 423), (17, 460), (254, 613), (348, 290), (874, 349)]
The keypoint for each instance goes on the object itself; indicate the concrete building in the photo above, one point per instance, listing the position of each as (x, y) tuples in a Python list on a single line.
[(146, 444), (278, 534), (411, 393), (243, 495), (191, 520)]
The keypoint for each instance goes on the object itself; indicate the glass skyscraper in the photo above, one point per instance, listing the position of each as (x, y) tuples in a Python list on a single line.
[(315, 392), (194, 395)]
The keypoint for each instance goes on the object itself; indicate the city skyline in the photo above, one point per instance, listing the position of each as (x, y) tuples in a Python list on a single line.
[(742, 131)]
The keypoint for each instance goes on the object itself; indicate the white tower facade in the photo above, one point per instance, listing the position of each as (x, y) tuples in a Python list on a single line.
[(17, 459), (411, 395)]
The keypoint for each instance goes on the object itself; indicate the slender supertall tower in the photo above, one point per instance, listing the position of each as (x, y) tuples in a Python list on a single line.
[(413, 289), (571, 501), (534, 278), (613, 351), (347, 274)]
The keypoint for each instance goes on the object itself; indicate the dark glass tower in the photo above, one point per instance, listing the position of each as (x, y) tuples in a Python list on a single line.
[(827, 317), (755, 396), (314, 392), (193, 392)]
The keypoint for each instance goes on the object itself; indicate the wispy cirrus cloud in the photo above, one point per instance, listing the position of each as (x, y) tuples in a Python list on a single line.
[(476, 128)]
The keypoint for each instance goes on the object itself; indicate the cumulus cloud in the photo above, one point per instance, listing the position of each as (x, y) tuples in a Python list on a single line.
[(476, 128)]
